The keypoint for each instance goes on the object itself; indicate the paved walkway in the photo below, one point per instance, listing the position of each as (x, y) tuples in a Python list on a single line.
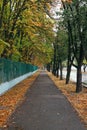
[(44, 108)]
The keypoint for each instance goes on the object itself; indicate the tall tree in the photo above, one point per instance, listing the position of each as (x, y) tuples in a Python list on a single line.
[(74, 18), (25, 26)]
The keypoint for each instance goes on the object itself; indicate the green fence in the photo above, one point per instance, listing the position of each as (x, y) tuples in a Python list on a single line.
[(10, 70)]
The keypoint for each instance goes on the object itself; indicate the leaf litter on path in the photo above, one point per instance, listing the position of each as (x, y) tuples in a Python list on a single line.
[(10, 100), (78, 100)]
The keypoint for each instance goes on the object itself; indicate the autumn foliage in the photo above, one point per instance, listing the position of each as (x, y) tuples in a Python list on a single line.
[(28, 31)]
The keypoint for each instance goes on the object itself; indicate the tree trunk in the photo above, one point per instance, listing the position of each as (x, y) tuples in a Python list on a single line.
[(69, 56), (68, 74), (48, 67), (84, 67), (79, 80), (61, 68), (54, 61), (57, 74), (79, 74), (81, 52)]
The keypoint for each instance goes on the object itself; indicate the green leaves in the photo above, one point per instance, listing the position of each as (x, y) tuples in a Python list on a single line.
[(26, 27), (3, 45)]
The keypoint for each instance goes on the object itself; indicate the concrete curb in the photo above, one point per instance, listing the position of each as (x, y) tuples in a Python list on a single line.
[(4, 87)]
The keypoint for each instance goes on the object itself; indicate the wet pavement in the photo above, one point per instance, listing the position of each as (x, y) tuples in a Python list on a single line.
[(45, 108)]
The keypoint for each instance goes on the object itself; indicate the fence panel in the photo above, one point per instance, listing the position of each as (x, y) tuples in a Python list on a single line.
[(10, 70)]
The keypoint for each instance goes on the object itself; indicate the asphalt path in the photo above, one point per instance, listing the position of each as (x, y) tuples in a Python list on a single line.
[(45, 108)]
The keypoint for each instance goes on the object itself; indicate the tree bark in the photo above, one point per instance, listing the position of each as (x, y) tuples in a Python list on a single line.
[(79, 74), (70, 61), (68, 74), (81, 53), (61, 68), (79, 80), (54, 61), (57, 73)]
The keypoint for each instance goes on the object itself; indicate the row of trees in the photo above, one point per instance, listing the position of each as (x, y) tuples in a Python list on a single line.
[(26, 34), (76, 23), (71, 39), (26, 31)]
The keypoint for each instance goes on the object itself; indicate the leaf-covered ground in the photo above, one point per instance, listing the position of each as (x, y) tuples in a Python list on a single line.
[(10, 100), (78, 101)]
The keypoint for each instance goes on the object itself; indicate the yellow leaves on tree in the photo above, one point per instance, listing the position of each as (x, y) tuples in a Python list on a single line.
[(3, 45), (38, 28), (69, 1), (26, 26)]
